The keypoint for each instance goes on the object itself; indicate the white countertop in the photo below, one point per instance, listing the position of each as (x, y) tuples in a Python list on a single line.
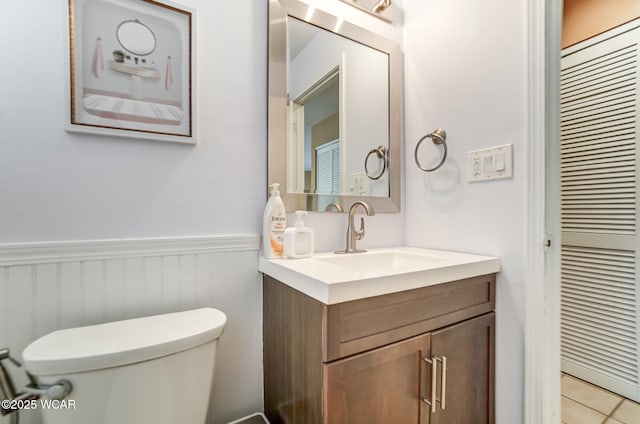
[(332, 278)]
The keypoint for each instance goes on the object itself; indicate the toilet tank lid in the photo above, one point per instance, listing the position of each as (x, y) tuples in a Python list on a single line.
[(122, 342)]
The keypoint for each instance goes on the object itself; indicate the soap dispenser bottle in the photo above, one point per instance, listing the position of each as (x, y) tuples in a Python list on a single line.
[(274, 222), (299, 241)]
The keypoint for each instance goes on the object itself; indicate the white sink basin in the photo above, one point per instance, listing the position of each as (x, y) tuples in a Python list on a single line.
[(332, 278), (379, 261)]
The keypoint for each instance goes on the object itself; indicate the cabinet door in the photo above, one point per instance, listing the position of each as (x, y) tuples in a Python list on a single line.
[(466, 388), (383, 386)]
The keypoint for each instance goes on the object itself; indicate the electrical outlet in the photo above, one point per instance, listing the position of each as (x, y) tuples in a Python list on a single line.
[(490, 164), (475, 166)]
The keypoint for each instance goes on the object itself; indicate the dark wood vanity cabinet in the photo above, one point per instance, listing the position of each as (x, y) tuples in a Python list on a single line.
[(380, 386), (379, 359)]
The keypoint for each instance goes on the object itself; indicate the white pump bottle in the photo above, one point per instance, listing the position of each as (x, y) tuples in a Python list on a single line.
[(299, 241)]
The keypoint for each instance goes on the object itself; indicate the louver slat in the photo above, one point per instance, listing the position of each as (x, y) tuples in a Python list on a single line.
[(607, 362), (621, 350), (600, 189), (576, 71), (613, 109), (585, 274), (578, 321), (615, 168), (611, 115), (598, 128), (611, 357), (598, 166), (604, 139), (596, 103), (601, 155), (625, 83), (598, 309), (617, 98), (608, 318), (623, 264)]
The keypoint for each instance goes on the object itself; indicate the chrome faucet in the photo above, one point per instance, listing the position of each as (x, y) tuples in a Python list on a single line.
[(352, 234), (334, 205)]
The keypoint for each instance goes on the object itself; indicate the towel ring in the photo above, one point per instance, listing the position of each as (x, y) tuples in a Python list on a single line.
[(438, 137), (381, 152)]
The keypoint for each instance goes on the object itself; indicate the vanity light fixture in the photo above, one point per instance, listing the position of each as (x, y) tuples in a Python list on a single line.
[(381, 5), (382, 9), (310, 13)]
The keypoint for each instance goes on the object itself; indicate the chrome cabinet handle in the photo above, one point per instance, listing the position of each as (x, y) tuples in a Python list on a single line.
[(434, 369), (444, 382), (424, 399)]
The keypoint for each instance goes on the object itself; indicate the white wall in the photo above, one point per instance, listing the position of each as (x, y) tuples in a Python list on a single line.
[(60, 186), (56, 186), (465, 71)]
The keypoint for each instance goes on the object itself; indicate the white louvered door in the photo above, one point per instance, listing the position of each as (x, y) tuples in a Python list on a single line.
[(600, 245)]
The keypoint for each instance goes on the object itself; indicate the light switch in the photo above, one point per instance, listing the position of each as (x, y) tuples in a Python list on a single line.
[(487, 166), (500, 161)]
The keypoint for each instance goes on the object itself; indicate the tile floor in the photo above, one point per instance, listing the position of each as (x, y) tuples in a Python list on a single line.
[(584, 403)]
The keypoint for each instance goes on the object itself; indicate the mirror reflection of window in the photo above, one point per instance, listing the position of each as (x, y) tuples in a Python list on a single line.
[(325, 135), (327, 168)]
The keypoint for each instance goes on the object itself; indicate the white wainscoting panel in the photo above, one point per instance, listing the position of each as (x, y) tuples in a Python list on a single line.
[(45, 287)]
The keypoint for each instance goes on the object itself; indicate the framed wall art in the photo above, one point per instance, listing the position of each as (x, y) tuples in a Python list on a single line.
[(131, 70)]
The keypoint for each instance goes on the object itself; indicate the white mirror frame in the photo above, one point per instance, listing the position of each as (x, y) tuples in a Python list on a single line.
[(277, 111)]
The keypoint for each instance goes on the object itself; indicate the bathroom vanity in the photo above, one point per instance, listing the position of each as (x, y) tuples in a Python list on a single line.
[(389, 336)]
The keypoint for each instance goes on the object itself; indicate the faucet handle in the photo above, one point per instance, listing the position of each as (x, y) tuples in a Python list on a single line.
[(360, 232)]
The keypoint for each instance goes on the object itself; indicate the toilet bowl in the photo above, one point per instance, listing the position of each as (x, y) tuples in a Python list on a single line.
[(157, 369)]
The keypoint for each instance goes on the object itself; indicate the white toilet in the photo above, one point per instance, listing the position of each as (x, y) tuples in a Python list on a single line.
[(156, 369)]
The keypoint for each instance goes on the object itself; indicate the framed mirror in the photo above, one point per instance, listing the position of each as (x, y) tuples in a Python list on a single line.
[(334, 111)]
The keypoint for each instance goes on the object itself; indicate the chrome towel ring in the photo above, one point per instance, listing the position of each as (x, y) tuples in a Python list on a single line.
[(381, 152), (438, 137)]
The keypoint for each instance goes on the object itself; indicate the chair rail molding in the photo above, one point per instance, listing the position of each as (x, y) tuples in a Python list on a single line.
[(14, 254)]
